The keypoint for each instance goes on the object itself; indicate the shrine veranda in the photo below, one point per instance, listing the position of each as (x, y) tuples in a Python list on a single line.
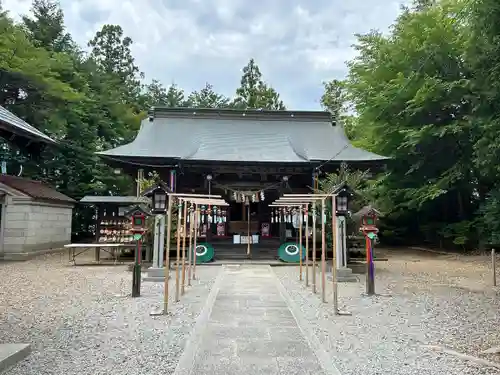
[(250, 158)]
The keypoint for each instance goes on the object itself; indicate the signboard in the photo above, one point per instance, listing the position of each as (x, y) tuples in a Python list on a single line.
[(245, 239)]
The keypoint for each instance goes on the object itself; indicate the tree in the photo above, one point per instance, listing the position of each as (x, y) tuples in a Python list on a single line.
[(46, 27), (422, 5), (207, 98), (411, 91), (333, 99), (254, 92), (111, 51), (483, 57)]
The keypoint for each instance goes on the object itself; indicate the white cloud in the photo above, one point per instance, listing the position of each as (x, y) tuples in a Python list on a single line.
[(297, 43)]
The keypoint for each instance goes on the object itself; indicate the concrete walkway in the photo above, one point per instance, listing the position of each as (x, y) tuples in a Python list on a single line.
[(249, 329)]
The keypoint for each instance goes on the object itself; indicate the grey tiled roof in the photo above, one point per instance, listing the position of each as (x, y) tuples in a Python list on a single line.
[(34, 189), (242, 136), (14, 124)]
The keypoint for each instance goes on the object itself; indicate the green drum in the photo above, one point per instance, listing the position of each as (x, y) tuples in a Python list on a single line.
[(290, 252), (204, 252)]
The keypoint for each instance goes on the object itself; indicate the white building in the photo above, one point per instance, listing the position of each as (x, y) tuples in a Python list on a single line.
[(34, 218)]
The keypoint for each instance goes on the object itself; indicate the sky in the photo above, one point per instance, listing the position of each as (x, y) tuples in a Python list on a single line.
[(298, 44)]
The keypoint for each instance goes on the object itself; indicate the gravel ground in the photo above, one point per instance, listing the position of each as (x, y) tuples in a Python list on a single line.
[(434, 300), (82, 320)]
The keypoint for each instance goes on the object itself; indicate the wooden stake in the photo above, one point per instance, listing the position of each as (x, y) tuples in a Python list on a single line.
[(177, 268), (494, 266), (334, 257), (184, 230), (196, 218), (323, 252), (167, 254), (314, 249), (248, 230), (301, 253), (190, 249), (307, 243)]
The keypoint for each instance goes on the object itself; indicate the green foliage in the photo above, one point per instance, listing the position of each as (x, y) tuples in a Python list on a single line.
[(254, 92), (357, 181), (427, 95), (89, 102)]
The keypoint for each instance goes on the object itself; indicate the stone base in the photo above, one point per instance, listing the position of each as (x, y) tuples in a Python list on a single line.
[(11, 354), (155, 275), (344, 275)]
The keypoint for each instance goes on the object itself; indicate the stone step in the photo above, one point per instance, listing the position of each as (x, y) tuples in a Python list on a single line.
[(11, 354)]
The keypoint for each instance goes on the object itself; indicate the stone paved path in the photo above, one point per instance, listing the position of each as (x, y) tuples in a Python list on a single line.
[(251, 330)]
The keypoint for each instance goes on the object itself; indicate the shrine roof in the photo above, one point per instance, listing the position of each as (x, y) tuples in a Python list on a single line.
[(10, 125), (240, 136)]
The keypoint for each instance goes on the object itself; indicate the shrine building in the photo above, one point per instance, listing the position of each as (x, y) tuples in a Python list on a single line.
[(249, 157)]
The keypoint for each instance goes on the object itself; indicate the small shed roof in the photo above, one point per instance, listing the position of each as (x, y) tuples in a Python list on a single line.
[(34, 189), (367, 210), (115, 199), (11, 124)]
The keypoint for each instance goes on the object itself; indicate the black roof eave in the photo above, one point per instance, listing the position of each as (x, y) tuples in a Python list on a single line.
[(161, 162), (15, 134)]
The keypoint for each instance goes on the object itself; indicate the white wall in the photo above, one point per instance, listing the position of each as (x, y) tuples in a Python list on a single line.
[(30, 227)]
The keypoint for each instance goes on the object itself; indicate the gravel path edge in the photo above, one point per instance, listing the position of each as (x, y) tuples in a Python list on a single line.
[(324, 358), (188, 357)]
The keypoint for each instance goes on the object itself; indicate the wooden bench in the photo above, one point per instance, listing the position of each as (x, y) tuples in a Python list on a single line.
[(76, 249)]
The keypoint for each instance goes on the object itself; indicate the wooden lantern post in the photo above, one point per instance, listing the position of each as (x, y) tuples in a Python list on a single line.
[(306, 214), (300, 240), (190, 249), (184, 229), (172, 198), (195, 245), (314, 249), (306, 199), (196, 200), (177, 264), (334, 257), (138, 227), (167, 255), (323, 252)]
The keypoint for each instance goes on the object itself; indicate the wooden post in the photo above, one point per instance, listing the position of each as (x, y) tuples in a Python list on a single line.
[(334, 256), (306, 208), (190, 249), (196, 218), (323, 252), (248, 230), (314, 249), (177, 268), (184, 229), (301, 253), (167, 255), (494, 266)]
